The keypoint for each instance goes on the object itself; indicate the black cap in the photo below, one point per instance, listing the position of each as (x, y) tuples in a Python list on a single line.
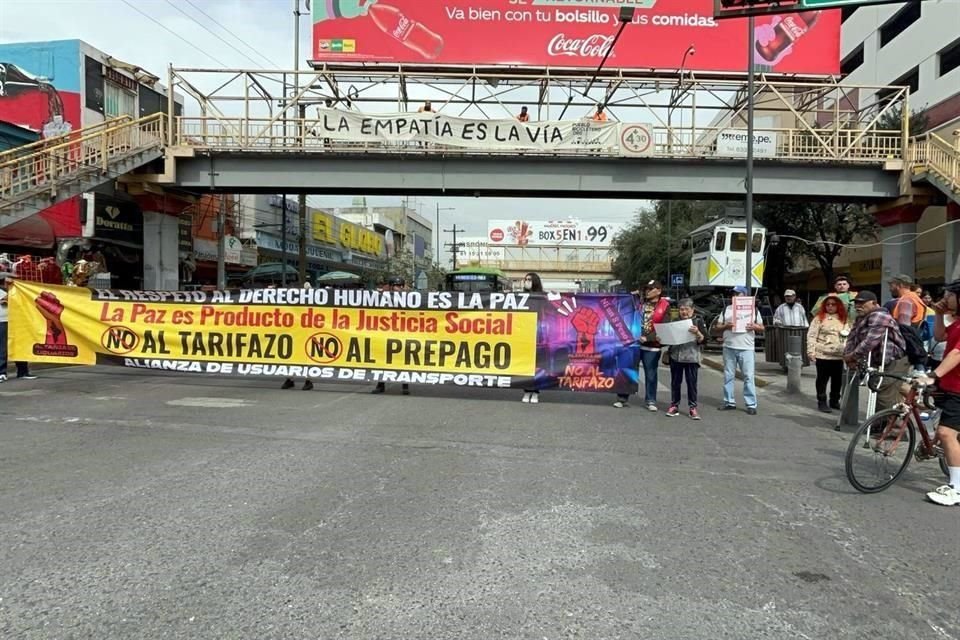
[(841, 278), (653, 284), (866, 296), (396, 281)]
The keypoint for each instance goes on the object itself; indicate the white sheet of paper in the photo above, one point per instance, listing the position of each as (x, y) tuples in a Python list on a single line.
[(744, 313), (671, 333)]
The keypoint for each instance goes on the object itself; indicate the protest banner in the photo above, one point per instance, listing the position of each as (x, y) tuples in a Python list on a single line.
[(464, 133), (583, 343)]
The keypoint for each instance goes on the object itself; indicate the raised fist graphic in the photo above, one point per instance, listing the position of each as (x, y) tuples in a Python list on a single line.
[(50, 308), (584, 320)]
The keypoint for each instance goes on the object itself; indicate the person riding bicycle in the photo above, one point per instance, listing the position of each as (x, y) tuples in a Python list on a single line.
[(947, 378)]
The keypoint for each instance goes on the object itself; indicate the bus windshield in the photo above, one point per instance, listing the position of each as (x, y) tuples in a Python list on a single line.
[(477, 281)]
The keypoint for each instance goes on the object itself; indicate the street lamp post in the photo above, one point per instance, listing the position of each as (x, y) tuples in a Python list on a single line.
[(691, 50)]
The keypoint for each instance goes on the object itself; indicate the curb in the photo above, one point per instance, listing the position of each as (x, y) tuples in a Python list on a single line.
[(718, 366)]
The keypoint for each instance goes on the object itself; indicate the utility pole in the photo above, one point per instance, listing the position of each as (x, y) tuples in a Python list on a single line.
[(283, 239), (454, 247), (301, 129), (221, 228), (439, 209), (748, 181), (222, 243)]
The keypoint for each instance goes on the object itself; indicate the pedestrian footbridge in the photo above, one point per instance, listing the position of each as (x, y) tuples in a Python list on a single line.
[(321, 139)]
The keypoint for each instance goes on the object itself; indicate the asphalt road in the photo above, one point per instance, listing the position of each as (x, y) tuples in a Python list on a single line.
[(137, 505)]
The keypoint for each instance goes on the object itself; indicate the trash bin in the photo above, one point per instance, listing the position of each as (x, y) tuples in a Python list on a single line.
[(775, 344)]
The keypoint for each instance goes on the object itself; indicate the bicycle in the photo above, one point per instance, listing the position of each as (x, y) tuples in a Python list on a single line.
[(889, 433)]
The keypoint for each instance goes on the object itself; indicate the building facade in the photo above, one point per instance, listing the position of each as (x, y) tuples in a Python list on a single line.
[(53, 88), (332, 243), (914, 44)]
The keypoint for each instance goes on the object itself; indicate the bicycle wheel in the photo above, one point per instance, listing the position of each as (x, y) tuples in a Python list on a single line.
[(880, 451)]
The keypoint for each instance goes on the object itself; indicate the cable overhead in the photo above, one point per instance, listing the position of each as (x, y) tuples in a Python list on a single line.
[(239, 39), (174, 33), (212, 32)]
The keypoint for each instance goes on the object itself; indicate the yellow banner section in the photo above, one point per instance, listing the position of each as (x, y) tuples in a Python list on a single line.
[(67, 325)]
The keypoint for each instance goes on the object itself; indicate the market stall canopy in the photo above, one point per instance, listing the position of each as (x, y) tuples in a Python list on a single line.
[(339, 276)]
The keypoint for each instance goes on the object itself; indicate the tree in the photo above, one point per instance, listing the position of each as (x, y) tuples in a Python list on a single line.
[(892, 120), (816, 230), (404, 264), (640, 251)]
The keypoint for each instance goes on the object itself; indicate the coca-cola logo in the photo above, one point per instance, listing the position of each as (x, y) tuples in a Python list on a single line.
[(595, 46), (496, 235)]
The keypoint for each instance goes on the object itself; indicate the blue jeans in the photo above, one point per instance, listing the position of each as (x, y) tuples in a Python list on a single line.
[(651, 362), (745, 359)]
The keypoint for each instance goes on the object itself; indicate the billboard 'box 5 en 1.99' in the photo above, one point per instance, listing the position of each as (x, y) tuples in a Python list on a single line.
[(571, 33)]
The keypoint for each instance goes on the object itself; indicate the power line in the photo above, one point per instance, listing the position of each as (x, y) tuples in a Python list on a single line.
[(222, 26), (174, 33), (211, 32)]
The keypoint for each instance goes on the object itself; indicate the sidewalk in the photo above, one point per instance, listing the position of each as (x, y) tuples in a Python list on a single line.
[(771, 380)]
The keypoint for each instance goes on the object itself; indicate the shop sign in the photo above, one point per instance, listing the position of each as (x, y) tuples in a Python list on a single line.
[(185, 233), (118, 221), (271, 243), (352, 237), (207, 250)]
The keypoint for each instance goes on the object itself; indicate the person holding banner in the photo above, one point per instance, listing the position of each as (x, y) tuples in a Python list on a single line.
[(395, 283), (655, 309), (23, 368), (532, 284)]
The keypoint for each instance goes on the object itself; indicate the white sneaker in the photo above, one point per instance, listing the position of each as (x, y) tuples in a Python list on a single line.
[(3, 378), (526, 397), (945, 495), (534, 398), (651, 407), (29, 376)]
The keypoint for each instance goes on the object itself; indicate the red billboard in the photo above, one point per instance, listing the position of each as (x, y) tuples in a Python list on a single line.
[(570, 33)]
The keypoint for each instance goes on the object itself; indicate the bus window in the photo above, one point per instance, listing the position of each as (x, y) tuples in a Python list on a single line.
[(738, 242), (757, 243), (721, 242)]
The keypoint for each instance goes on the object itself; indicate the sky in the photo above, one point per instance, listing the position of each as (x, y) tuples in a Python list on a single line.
[(259, 34)]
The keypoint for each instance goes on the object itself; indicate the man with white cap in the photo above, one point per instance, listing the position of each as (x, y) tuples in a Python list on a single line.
[(791, 313)]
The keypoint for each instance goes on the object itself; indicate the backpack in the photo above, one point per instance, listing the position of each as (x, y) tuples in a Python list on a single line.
[(916, 352), (926, 334)]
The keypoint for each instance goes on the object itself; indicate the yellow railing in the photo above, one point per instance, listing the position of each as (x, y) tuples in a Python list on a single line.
[(834, 144), (932, 154), (41, 165)]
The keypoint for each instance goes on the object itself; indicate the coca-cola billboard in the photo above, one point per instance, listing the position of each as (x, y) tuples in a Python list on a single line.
[(570, 33)]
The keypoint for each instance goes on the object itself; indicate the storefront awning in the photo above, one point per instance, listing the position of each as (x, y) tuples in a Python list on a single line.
[(41, 230)]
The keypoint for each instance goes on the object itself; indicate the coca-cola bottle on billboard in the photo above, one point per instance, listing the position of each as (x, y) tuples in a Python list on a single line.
[(788, 30), (411, 33)]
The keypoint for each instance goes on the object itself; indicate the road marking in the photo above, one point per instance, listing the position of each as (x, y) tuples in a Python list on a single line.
[(212, 403)]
